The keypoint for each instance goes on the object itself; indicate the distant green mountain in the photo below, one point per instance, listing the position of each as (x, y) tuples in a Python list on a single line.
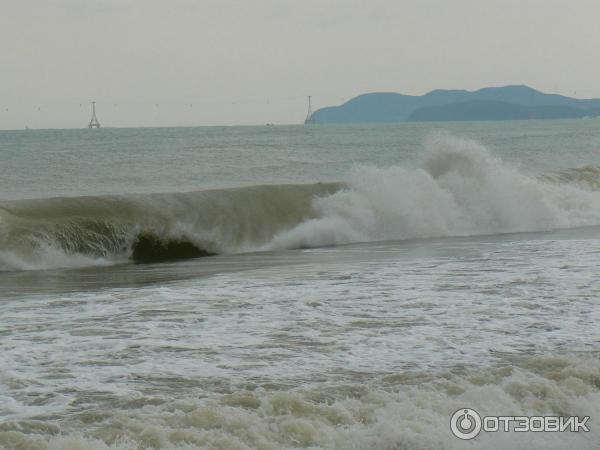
[(496, 103)]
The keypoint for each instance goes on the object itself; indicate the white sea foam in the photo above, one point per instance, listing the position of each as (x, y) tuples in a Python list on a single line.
[(459, 189), (404, 412)]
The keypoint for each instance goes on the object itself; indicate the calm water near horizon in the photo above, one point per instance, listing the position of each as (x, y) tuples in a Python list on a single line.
[(365, 282)]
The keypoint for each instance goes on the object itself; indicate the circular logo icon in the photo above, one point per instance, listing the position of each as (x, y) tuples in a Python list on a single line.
[(465, 423)]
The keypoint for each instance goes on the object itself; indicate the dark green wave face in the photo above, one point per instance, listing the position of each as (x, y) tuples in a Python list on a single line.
[(148, 248)]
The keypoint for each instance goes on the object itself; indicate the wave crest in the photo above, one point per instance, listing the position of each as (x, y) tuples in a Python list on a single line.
[(458, 189), (587, 177)]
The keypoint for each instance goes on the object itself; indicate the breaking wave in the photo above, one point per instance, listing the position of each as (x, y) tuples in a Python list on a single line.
[(80, 231), (459, 189), (587, 177)]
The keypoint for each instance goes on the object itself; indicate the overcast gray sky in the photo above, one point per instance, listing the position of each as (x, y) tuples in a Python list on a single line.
[(211, 62)]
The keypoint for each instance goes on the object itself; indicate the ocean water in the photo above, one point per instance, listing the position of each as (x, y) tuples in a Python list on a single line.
[(321, 287)]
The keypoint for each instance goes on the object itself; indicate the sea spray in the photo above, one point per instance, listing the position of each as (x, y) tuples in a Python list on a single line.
[(459, 189)]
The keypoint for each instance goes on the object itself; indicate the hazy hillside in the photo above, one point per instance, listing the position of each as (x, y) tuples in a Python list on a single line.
[(495, 110), (495, 103)]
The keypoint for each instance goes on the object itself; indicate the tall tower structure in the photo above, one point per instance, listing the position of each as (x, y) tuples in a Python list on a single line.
[(94, 120), (309, 116)]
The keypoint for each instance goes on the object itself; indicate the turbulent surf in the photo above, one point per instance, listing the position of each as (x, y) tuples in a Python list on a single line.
[(466, 277), (459, 189)]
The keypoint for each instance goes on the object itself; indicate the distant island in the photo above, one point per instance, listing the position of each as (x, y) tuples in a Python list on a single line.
[(493, 103)]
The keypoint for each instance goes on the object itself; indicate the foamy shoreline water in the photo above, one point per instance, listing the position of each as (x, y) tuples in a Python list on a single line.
[(390, 339), (443, 273), (396, 412)]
